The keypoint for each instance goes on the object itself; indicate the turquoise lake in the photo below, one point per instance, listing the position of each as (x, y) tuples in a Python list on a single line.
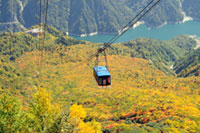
[(165, 32)]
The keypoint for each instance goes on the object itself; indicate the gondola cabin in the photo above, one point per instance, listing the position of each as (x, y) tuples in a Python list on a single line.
[(102, 76)]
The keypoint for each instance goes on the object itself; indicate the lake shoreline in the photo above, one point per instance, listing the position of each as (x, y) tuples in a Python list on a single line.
[(185, 19), (166, 32), (197, 39), (139, 23)]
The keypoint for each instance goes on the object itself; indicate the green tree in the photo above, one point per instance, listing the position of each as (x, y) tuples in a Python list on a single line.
[(10, 114)]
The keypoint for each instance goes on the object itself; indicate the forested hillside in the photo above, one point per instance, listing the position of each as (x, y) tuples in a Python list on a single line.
[(163, 54), (84, 17), (51, 88), (189, 65)]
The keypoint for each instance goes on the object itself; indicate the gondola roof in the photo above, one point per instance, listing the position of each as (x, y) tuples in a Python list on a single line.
[(101, 71)]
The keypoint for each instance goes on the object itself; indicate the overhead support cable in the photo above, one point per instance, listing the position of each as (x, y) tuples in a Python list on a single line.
[(122, 31), (42, 30)]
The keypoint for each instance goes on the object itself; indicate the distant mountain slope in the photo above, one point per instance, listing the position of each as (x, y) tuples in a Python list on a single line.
[(189, 65), (13, 45), (163, 54), (84, 17)]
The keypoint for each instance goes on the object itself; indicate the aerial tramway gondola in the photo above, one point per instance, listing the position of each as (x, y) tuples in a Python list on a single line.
[(101, 73)]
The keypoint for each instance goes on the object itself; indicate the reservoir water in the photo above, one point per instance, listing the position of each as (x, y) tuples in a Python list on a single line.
[(165, 32)]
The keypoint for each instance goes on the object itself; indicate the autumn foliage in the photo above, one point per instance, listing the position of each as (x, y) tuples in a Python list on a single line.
[(55, 91)]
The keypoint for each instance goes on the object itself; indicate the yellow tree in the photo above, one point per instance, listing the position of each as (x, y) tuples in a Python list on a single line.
[(43, 112), (77, 115)]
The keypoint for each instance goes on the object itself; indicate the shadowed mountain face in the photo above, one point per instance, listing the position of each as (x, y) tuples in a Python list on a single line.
[(87, 16)]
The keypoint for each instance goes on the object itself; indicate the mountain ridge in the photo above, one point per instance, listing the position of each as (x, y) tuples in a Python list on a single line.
[(93, 17)]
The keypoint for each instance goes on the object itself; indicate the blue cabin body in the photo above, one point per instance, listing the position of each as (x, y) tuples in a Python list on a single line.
[(102, 76)]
